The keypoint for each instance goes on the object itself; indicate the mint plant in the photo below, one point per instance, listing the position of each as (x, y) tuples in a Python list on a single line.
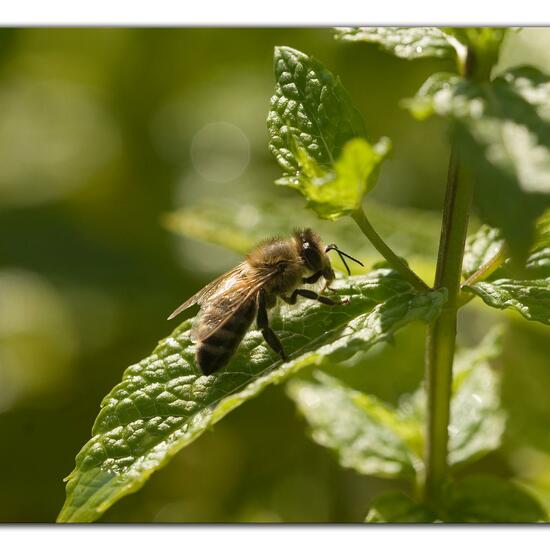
[(499, 127)]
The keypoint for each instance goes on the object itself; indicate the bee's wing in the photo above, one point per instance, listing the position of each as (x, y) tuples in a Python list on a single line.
[(212, 288), (222, 305)]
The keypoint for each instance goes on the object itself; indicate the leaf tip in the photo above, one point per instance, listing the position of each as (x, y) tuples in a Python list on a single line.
[(384, 146), (284, 51)]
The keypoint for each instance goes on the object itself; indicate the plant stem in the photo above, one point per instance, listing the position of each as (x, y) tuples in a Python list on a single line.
[(395, 261), (440, 345)]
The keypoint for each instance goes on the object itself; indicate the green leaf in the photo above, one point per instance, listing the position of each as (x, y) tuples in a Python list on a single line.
[(238, 225), (484, 44), (311, 106), (340, 191), (503, 134), (542, 238), (525, 390), (163, 402), (365, 433), (435, 96), (487, 241), (377, 439), (539, 262), (317, 137), (530, 298), (476, 498), (395, 507), (477, 420), (404, 42), (488, 499), (531, 471), (480, 248), (446, 42)]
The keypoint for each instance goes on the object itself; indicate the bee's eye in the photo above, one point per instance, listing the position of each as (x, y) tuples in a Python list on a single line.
[(312, 258)]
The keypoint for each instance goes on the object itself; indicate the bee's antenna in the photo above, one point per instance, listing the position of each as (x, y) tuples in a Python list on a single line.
[(350, 257), (342, 254)]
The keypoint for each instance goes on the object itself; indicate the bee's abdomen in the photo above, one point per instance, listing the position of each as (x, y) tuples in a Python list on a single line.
[(214, 352)]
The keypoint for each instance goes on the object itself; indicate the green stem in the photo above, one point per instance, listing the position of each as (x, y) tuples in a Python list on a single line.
[(440, 346), (395, 261)]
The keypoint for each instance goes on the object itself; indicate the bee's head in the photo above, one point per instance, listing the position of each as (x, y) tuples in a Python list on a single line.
[(315, 254)]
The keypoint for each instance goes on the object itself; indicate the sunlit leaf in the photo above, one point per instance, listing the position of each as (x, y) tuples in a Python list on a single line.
[(164, 402), (375, 438), (483, 245), (310, 105), (539, 262), (480, 38), (503, 134), (484, 43), (396, 507), (480, 248), (239, 225), (365, 434), (405, 42), (531, 298), (477, 419), (542, 238), (318, 138), (441, 42), (339, 191), (488, 499)]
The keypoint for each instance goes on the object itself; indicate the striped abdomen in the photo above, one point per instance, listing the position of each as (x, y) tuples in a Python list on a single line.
[(214, 352)]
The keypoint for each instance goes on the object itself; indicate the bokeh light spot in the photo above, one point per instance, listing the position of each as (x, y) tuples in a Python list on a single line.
[(220, 152), (53, 137)]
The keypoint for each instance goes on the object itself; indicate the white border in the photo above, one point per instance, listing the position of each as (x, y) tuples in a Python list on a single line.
[(240, 13), (273, 13), (358, 537)]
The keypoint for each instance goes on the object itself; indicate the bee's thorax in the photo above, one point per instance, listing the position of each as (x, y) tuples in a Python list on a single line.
[(284, 256)]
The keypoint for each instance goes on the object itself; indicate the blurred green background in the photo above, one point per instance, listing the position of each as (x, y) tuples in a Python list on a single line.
[(105, 131)]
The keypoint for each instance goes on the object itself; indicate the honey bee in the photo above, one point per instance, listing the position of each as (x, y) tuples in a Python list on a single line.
[(276, 268)]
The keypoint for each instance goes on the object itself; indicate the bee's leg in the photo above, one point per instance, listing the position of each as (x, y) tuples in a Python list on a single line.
[(305, 293), (327, 288), (267, 332), (312, 278)]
